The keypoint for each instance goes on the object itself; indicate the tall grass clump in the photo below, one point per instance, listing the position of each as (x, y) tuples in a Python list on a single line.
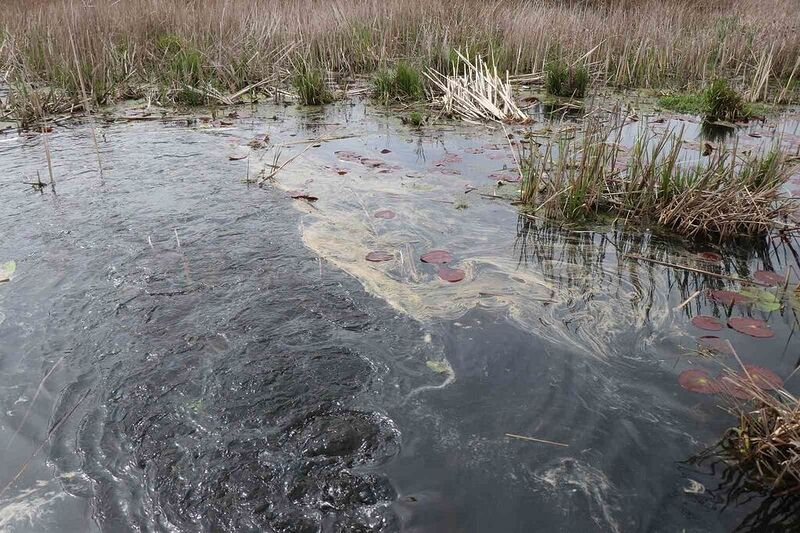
[(729, 195), (309, 83), (723, 103), (402, 83), (566, 80)]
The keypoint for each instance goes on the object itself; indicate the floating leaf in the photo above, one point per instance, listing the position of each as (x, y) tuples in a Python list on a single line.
[(378, 256), (708, 323), (763, 299), (386, 214), (442, 367), (340, 171), (715, 344), (436, 257), (726, 386), (728, 297), (751, 326), (697, 380), (386, 151), (451, 274), (345, 155), (7, 270), (764, 378), (710, 257), (768, 277)]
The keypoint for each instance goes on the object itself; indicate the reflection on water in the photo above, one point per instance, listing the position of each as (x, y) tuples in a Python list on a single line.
[(220, 375)]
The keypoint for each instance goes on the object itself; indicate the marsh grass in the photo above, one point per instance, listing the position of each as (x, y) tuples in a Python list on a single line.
[(402, 83), (127, 49), (562, 79), (309, 83), (730, 194), (718, 101), (765, 443)]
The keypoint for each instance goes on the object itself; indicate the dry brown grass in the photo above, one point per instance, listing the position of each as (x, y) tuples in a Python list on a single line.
[(180, 49)]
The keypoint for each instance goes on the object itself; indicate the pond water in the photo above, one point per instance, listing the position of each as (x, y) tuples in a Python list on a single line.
[(185, 351)]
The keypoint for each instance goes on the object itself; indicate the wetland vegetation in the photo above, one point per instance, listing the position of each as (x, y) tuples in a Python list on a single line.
[(503, 205)]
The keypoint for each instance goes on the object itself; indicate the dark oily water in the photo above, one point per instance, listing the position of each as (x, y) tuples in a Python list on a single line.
[(201, 369)]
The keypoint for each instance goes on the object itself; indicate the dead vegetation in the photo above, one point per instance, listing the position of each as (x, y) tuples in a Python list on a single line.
[(203, 52), (725, 194)]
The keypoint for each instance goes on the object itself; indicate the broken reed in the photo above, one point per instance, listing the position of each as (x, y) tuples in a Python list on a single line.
[(765, 443), (730, 193), (187, 52)]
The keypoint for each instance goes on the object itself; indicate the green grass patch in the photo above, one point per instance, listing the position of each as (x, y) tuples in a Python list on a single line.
[(717, 102), (309, 82), (565, 80), (402, 83)]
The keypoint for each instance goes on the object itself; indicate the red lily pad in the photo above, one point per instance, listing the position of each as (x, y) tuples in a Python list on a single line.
[(715, 344), (372, 163), (451, 274), (385, 214), (751, 326), (728, 297), (300, 195), (696, 380), (386, 151), (436, 257), (711, 257), (708, 323), (346, 155), (379, 256), (764, 378), (768, 277)]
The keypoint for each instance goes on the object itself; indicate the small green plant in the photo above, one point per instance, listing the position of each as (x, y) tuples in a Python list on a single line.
[(402, 83), (692, 103), (565, 80), (309, 82), (414, 119), (724, 103)]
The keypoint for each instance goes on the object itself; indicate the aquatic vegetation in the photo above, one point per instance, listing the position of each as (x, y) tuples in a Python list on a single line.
[(710, 257), (474, 90), (765, 444), (768, 277), (697, 380), (690, 103), (715, 344), (309, 83), (401, 83), (452, 275), (436, 257), (414, 119), (731, 193), (727, 297), (379, 256), (562, 79), (708, 323), (721, 102), (751, 326), (763, 300)]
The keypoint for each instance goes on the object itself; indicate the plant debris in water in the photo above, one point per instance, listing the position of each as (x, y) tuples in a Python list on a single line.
[(7, 270), (715, 344), (385, 214), (379, 256), (763, 299), (728, 297)]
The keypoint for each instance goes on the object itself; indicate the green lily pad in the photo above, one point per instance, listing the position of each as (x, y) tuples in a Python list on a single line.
[(763, 299), (442, 367), (7, 270)]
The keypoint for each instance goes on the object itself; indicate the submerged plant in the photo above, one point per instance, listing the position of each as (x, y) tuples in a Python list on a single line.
[(309, 82), (566, 80)]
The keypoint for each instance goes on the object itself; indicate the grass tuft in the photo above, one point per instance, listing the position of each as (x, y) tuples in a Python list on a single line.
[(564, 80), (402, 83), (723, 103), (309, 82)]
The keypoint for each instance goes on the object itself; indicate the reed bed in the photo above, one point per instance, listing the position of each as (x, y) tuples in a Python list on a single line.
[(168, 50), (727, 194)]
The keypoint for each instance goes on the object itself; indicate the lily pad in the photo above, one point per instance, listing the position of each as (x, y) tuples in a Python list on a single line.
[(728, 297), (763, 299), (708, 323), (379, 256), (451, 274), (768, 277), (696, 380), (764, 378), (385, 214), (709, 257), (386, 151), (726, 386), (436, 257), (715, 344), (751, 326), (7, 270)]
